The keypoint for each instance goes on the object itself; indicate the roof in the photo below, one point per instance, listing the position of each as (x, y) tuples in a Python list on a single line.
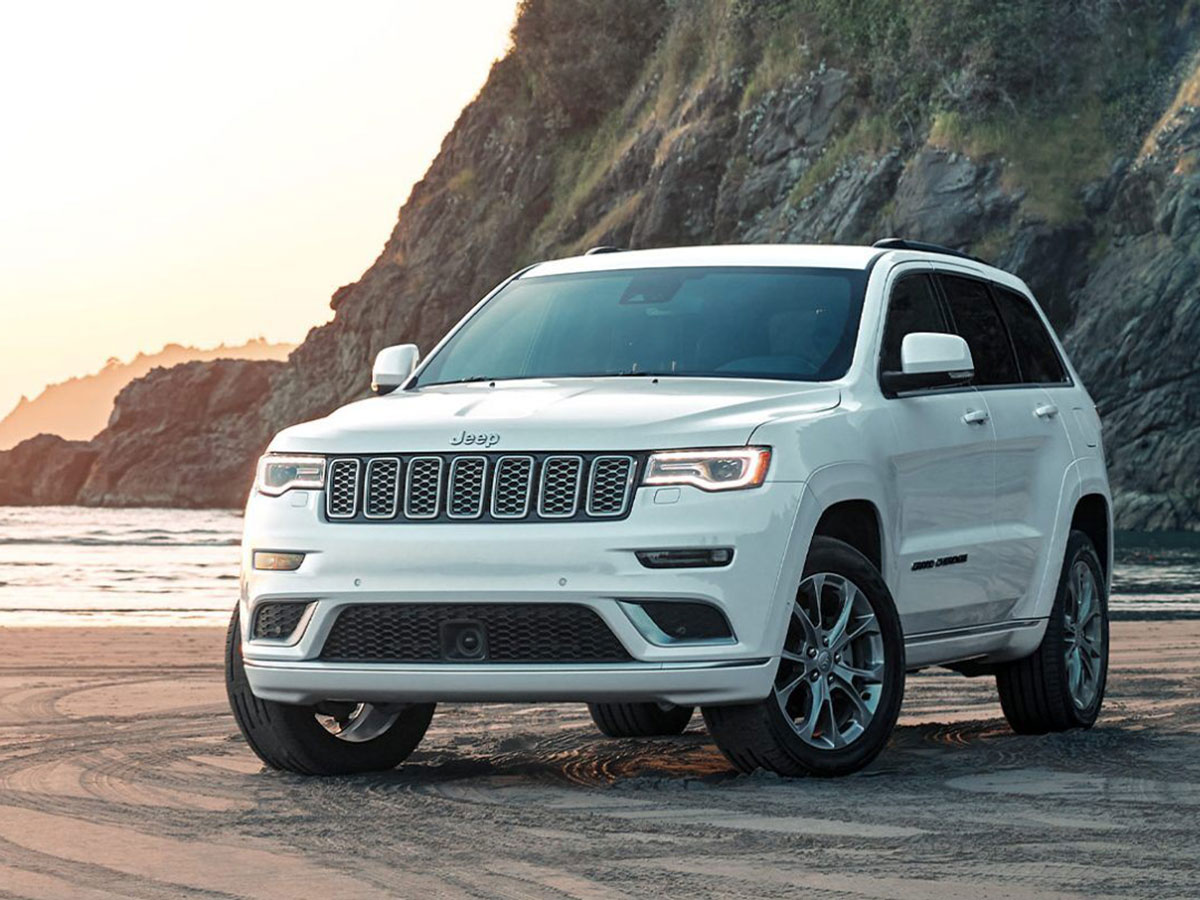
[(831, 256)]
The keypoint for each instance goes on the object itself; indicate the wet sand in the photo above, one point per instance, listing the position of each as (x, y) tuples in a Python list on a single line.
[(122, 775)]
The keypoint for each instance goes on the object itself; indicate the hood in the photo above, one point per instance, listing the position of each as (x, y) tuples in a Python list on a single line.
[(560, 414)]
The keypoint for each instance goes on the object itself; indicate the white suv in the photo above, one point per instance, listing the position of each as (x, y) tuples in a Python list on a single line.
[(765, 480)]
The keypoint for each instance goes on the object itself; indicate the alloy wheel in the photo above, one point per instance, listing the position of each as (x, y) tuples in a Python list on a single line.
[(357, 722), (1083, 635), (831, 673)]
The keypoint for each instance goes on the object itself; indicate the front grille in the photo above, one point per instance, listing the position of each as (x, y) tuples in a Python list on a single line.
[(423, 489), (468, 476), (341, 494), (277, 620), (481, 487), (558, 496), (609, 485), (514, 633), (512, 487), (383, 488)]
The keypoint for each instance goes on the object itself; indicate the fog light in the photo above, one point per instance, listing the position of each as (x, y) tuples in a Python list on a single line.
[(269, 560), (693, 558)]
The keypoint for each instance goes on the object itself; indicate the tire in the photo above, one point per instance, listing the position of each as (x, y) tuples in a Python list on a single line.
[(292, 738), (1042, 692), (833, 741), (625, 720)]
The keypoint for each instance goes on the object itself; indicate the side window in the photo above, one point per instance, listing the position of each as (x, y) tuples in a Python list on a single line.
[(979, 324), (1040, 363), (912, 307)]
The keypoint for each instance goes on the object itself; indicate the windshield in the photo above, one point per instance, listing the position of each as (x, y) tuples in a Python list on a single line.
[(728, 322)]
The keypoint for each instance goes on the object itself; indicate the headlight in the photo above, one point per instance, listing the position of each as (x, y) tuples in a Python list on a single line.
[(710, 470), (278, 473)]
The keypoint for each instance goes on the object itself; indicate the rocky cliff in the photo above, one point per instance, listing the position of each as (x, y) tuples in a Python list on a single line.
[(184, 436), (1059, 139)]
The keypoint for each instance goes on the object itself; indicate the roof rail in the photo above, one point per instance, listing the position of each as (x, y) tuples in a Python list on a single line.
[(894, 243), (603, 248)]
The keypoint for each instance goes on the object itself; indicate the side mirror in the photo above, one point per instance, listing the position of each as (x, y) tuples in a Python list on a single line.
[(929, 360), (392, 367)]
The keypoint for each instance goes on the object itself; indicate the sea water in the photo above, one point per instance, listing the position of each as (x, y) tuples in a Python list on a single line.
[(64, 565)]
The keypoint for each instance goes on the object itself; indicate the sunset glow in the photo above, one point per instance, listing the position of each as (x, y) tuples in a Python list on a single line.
[(201, 173)]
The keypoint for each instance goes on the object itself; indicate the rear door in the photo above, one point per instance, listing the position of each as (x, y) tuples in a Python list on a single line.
[(941, 470), (1019, 376), (1029, 482)]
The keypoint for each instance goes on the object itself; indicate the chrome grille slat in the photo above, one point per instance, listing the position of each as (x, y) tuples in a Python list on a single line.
[(558, 490), (381, 492), (512, 487), (341, 493), (423, 488), (468, 483), (609, 483)]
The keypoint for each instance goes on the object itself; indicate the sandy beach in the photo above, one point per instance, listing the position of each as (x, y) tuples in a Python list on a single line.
[(122, 775)]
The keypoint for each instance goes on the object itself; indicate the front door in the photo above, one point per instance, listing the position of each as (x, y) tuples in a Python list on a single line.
[(942, 471)]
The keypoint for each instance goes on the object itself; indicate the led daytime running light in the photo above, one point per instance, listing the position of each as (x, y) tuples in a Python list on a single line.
[(700, 468)]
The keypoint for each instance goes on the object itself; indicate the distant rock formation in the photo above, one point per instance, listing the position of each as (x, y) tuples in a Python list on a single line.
[(177, 437), (78, 408), (45, 471)]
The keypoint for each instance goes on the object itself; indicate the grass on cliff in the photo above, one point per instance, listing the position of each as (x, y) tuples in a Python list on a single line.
[(1051, 158)]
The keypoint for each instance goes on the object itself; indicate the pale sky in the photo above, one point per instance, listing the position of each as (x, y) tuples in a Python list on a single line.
[(208, 172)]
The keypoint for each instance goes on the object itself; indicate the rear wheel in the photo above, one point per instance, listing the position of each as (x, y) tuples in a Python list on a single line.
[(840, 680), (620, 720), (1061, 685), (336, 738)]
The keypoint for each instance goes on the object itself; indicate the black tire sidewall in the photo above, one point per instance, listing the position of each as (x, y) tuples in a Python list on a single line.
[(1080, 548), (624, 720), (829, 555)]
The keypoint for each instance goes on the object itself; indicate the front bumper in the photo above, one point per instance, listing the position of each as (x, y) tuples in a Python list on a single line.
[(684, 684), (588, 563)]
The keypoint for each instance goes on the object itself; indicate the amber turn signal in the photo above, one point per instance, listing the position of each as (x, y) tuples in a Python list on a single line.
[(269, 560)]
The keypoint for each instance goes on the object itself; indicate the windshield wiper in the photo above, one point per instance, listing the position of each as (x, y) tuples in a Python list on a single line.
[(643, 374), (466, 380)]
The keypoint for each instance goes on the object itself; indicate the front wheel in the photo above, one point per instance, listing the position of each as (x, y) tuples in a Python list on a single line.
[(336, 738), (840, 680), (1061, 686)]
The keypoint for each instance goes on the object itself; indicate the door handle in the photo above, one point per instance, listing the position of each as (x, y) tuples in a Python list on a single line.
[(975, 417), (1046, 411)]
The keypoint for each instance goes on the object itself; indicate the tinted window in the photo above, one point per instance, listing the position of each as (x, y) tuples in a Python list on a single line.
[(1035, 350), (976, 320), (728, 322), (912, 307)]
